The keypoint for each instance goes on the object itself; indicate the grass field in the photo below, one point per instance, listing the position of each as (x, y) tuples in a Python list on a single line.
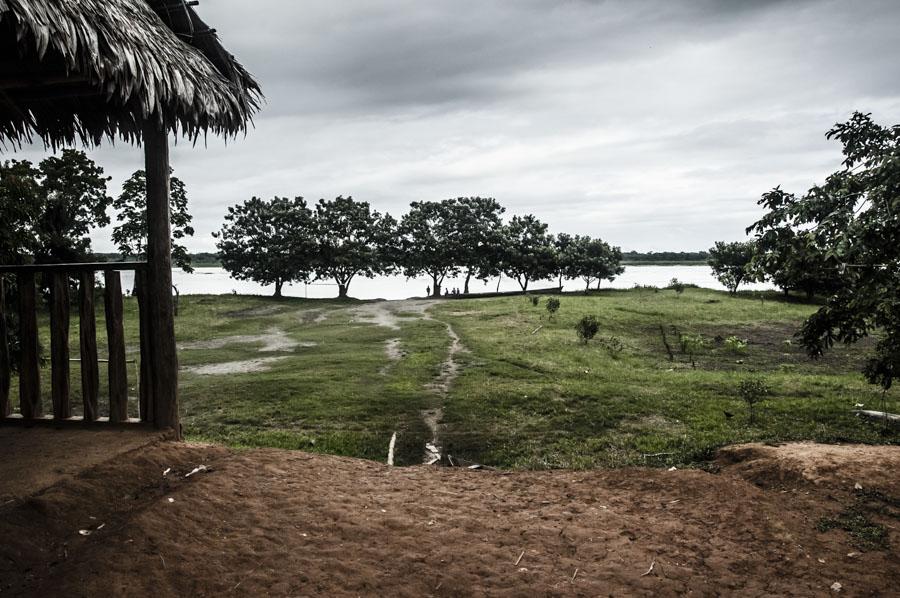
[(342, 377)]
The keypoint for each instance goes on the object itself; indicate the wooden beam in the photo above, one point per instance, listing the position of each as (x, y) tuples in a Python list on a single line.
[(74, 268), (164, 368), (87, 329), (59, 345), (145, 379), (115, 335), (30, 405), (5, 365)]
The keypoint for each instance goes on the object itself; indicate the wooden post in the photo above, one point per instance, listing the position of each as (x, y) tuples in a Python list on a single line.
[(87, 328), (115, 334), (145, 379), (159, 279), (5, 365), (30, 405), (59, 345)]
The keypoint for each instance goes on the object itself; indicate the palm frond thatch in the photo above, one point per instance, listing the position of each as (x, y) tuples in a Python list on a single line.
[(81, 70)]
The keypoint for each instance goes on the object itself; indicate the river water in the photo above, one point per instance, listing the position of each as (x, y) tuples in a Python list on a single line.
[(216, 281)]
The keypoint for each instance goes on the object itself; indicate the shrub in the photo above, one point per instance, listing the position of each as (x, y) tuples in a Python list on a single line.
[(534, 300), (691, 344), (676, 285), (552, 306), (735, 345), (614, 346), (587, 328), (752, 391)]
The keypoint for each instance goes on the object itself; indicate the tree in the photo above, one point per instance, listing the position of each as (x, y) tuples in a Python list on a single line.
[(785, 253), (73, 201), (429, 242), (20, 206), (592, 260), (131, 233), (730, 263), (853, 222), (478, 224), (528, 253), (269, 242), (351, 240)]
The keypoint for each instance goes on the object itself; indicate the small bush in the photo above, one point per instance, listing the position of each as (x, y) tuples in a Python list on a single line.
[(534, 300), (752, 391), (676, 285), (552, 306), (691, 344), (614, 346), (735, 345), (587, 328)]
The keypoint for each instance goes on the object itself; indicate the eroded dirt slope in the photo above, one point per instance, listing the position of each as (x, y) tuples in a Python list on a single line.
[(271, 522)]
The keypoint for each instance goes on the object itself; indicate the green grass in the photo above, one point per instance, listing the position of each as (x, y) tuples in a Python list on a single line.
[(529, 394)]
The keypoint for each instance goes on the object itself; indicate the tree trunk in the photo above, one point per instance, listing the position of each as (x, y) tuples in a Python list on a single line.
[(163, 352), (560, 281), (524, 286), (342, 291), (435, 286), (278, 285), (466, 285)]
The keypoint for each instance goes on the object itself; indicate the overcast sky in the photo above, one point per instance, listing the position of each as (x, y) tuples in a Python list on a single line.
[(653, 125)]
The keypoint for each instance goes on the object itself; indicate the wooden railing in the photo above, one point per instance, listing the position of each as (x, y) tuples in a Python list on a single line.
[(57, 278)]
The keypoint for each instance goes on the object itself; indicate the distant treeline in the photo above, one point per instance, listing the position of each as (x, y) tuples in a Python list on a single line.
[(665, 257), (197, 260)]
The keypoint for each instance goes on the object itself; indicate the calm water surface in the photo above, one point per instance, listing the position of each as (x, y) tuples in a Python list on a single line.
[(216, 281)]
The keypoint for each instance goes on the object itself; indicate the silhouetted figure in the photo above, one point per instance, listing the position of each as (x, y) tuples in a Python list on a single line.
[(446, 292), (428, 291)]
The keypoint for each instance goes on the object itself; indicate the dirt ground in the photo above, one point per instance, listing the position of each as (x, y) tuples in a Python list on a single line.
[(282, 523)]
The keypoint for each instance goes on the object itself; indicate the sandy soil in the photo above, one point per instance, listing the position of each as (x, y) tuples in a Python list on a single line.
[(270, 522)]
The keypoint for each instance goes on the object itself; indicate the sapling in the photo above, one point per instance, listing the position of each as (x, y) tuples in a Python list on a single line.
[(552, 307), (752, 391), (587, 328)]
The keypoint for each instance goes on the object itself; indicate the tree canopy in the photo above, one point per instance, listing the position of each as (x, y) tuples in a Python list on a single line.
[(268, 241), (351, 240), (528, 251), (130, 234), (429, 242), (731, 263), (479, 227), (851, 225)]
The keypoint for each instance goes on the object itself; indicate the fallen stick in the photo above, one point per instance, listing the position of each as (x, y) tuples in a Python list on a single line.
[(652, 564), (892, 418), (390, 459), (574, 574), (536, 329), (519, 560)]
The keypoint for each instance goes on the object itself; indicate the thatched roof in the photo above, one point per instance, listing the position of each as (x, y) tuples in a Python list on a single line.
[(81, 70)]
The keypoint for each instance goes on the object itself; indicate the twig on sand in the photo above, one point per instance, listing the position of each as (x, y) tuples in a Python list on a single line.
[(574, 574), (163, 561), (652, 565), (519, 560), (390, 459)]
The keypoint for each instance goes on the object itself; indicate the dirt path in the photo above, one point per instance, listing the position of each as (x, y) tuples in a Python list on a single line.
[(441, 387), (274, 522)]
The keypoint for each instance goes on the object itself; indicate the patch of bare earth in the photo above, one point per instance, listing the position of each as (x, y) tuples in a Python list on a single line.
[(274, 522), (245, 366), (394, 353), (272, 340), (440, 387)]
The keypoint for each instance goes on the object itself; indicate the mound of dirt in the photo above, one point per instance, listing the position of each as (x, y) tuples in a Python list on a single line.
[(273, 522)]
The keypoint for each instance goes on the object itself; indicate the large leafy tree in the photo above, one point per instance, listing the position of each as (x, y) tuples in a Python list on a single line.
[(351, 240), (21, 202), (591, 260), (268, 241), (731, 263), (429, 242), (853, 222), (73, 202), (528, 252), (130, 234), (479, 227)]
